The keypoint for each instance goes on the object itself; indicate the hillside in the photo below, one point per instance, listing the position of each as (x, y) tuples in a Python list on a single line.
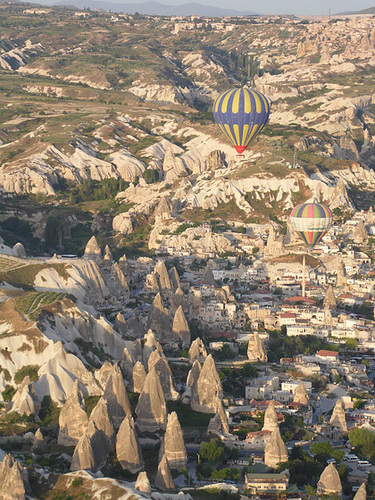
[(106, 124)]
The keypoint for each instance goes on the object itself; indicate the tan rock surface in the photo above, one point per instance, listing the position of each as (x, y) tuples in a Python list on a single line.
[(151, 409), (329, 482), (160, 364), (73, 419), (128, 449), (100, 417), (11, 480), (92, 250), (270, 418), (117, 398), (180, 328), (139, 377), (275, 451), (361, 493), (197, 351), (158, 318), (256, 351), (91, 451), (338, 417), (163, 479), (207, 393), (219, 423), (301, 396), (142, 483), (174, 446)]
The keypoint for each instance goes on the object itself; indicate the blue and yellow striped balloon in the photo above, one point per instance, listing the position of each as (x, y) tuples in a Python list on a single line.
[(311, 221), (241, 114)]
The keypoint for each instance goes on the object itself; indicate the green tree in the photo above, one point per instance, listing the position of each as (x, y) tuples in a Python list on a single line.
[(212, 451), (150, 176)]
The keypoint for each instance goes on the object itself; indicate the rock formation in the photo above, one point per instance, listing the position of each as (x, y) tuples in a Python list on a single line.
[(160, 363), (11, 480), (275, 451), (163, 211), (207, 393), (341, 274), (100, 417), (163, 479), (192, 377), (329, 299), (300, 396), (208, 277), (92, 250), (162, 276), (174, 446), (180, 328), (329, 482), (150, 345), (102, 375), (361, 493), (338, 417), (117, 398), (360, 235), (142, 483), (139, 377), (38, 441), (270, 418), (25, 400), (151, 408), (158, 318), (120, 324), (127, 364), (128, 449), (91, 451), (174, 279), (173, 168), (256, 351), (73, 418), (177, 300), (219, 423), (197, 351)]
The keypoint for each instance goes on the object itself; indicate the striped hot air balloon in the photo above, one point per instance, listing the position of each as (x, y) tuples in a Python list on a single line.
[(311, 221), (241, 114)]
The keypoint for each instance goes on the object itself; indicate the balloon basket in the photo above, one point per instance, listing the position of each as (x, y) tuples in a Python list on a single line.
[(240, 156)]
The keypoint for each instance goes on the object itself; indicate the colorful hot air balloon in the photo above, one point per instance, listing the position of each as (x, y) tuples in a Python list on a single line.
[(311, 221), (241, 114)]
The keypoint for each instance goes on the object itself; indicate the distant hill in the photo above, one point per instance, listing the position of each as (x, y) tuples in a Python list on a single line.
[(370, 10), (155, 8)]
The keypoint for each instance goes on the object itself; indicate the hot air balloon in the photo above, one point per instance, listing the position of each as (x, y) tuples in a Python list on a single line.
[(311, 221), (241, 114)]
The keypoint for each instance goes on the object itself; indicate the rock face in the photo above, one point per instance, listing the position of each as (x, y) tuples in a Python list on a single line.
[(25, 399), (11, 480), (151, 408), (256, 351), (329, 482), (160, 364), (73, 418), (275, 451), (338, 417), (173, 167), (300, 396), (192, 377), (174, 446), (329, 299), (91, 451), (207, 393), (92, 250), (180, 328), (158, 318), (219, 423), (163, 479), (197, 351), (142, 483), (117, 398), (150, 345), (360, 234), (361, 493), (162, 276), (139, 377), (100, 417), (270, 418), (38, 441), (128, 449), (208, 277)]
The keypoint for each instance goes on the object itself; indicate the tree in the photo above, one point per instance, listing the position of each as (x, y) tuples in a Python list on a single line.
[(212, 451), (150, 176)]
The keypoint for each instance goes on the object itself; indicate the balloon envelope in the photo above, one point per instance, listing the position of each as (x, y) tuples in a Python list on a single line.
[(241, 114), (311, 221)]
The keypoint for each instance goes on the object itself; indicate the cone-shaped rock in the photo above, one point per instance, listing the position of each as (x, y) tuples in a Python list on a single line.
[(126, 365), (174, 446), (174, 278), (329, 482), (270, 418), (300, 396), (92, 250), (197, 351), (151, 408), (150, 345), (160, 363), (180, 328), (117, 398), (25, 400), (117, 273), (108, 257), (162, 276), (256, 351), (338, 417), (329, 299), (128, 449), (120, 324), (139, 377), (361, 493), (11, 480), (177, 299), (158, 318), (142, 483), (91, 451), (102, 375), (73, 419), (275, 451), (360, 234), (100, 417), (208, 277), (207, 393), (164, 209), (38, 441), (219, 423), (163, 479)]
